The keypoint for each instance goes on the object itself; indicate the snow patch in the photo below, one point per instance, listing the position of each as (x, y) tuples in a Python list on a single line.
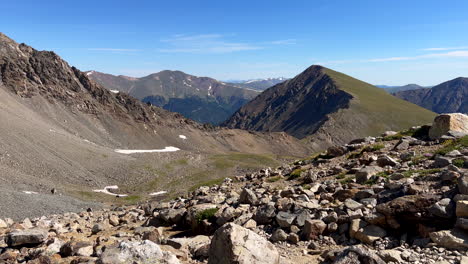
[(87, 141), (158, 193), (182, 137), (89, 73), (132, 151), (114, 91), (30, 192), (112, 187)]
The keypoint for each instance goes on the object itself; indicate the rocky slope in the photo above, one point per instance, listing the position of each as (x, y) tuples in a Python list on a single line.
[(327, 107), (447, 97), (202, 99), (61, 130), (398, 198)]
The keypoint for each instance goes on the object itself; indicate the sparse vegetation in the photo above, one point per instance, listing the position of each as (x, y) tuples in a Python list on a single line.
[(207, 183), (295, 174), (132, 198), (358, 153), (410, 173), (207, 214), (341, 176), (417, 160), (347, 180), (274, 179), (383, 174), (451, 145), (458, 162), (354, 154)]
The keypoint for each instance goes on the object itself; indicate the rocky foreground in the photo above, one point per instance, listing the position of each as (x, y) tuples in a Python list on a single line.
[(398, 198)]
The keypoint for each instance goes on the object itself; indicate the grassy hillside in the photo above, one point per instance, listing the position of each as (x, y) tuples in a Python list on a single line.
[(382, 110)]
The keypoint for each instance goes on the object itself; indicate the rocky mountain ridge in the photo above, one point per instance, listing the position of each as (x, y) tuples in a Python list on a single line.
[(394, 89), (447, 97), (397, 198), (202, 99)]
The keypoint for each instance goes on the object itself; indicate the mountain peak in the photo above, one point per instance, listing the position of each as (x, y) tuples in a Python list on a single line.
[(328, 105)]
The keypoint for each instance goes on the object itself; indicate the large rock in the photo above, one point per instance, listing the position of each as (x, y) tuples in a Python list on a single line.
[(448, 122), (462, 208), (26, 237), (463, 184), (248, 196), (366, 173), (357, 254), (285, 219), (385, 160), (313, 229), (265, 214), (370, 233), (145, 252), (453, 239), (410, 210), (76, 248), (233, 244)]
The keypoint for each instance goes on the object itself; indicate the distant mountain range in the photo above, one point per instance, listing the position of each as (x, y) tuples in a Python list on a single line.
[(394, 89), (327, 107), (202, 99), (257, 84), (447, 97)]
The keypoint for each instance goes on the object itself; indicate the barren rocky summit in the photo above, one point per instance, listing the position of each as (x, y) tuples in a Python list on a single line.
[(398, 198)]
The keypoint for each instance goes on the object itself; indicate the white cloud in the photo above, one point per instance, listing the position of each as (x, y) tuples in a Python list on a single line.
[(449, 48), (205, 43), (284, 42), (451, 54), (113, 49), (390, 59)]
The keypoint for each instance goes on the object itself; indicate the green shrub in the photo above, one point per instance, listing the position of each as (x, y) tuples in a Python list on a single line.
[(377, 147), (274, 179), (451, 145), (207, 214), (295, 174), (354, 155), (458, 162), (341, 176), (408, 174), (394, 137), (347, 180), (417, 159)]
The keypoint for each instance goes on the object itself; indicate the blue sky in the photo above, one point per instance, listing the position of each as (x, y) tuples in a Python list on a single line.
[(381, 42)]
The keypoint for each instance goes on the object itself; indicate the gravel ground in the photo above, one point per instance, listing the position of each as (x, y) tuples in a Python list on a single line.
[(19, 205)]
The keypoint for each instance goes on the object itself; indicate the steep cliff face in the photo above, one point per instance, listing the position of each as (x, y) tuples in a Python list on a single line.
[(447, 97), (327, 107)]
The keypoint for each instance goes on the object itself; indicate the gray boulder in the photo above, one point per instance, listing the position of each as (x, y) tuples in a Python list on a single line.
[(26, 237), (366, 173), (145, 252), (233, 244)]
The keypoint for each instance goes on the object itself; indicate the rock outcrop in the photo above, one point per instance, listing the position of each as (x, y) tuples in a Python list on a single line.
[(449, 124)]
